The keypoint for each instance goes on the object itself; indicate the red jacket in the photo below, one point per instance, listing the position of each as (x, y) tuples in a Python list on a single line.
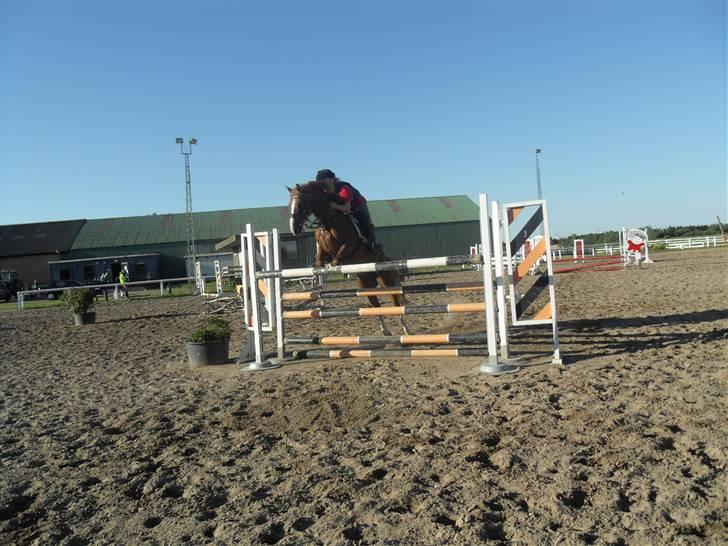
[(346, 193)]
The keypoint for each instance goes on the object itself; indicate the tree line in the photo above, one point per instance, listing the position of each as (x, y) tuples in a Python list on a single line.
[(670, 232)]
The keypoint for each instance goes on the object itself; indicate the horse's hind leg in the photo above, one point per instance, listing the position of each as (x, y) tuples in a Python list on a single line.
[(370, 281), (401, 301), (391, 279), (375, 303)]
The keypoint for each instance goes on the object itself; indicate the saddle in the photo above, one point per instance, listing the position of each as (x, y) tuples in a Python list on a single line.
[(354, 223), (374, 247)]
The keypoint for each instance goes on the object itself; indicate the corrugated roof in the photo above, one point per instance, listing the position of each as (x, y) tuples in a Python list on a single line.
[(218, 225), (39, 238)]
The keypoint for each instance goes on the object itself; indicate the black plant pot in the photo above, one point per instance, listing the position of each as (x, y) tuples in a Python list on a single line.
[(89, 317), (209, 352)]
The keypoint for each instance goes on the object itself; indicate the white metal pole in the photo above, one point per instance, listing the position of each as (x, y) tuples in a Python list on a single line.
[(277, 296), (492, 367), (254, 297), (260, 362), (500, 280), (218, 277), (552, 288)]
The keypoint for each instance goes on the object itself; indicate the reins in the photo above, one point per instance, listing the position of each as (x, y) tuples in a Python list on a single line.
[(315, 221), (312, 224)]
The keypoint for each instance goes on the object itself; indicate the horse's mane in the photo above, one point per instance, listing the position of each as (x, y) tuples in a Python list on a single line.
[(313, 185), (314, 193)]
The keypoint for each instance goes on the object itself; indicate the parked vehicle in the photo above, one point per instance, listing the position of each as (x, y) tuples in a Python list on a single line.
[(6, 291), (10, 281), (58, 284)]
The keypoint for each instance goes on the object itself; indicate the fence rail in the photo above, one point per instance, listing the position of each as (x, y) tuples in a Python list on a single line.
[(691, 242), (677, 243), (39, 291)]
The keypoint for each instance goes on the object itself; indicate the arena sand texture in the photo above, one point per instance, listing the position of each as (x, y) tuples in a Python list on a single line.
[(108, 437)]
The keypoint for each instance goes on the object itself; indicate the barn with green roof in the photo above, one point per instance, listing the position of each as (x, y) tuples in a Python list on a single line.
[(408, 228)]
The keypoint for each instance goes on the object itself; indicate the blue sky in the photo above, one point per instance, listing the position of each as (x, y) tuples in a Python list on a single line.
[(404, 99)]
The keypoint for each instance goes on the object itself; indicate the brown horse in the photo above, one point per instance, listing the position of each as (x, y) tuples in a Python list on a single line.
[(338, 238)]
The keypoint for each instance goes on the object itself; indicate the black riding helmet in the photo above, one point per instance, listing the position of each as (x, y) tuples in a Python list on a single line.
[(323, 174)]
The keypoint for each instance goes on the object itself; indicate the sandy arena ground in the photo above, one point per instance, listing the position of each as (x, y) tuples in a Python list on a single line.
[(108, 437)]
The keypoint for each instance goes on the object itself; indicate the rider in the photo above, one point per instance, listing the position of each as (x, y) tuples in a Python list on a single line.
[(347, 198)]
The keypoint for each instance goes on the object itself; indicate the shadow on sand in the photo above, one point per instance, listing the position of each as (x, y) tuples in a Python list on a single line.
[(606, 336)]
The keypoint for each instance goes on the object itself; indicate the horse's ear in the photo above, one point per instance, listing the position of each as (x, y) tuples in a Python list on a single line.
[(298, 186), (289, 189)]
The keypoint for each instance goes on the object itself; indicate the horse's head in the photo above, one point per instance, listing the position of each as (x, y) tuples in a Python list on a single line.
[(299, 207), (306, 199)]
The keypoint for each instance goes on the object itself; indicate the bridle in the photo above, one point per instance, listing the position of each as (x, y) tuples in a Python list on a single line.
[(311, 222)]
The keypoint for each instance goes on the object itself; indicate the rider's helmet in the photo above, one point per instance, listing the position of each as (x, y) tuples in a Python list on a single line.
[(324, 174)]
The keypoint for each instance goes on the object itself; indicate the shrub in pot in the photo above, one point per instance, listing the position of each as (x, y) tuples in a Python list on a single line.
[(209, 344), (79, 301)]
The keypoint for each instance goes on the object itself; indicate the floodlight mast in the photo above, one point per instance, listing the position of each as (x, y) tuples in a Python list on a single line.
[(538, 176), (191, 249)]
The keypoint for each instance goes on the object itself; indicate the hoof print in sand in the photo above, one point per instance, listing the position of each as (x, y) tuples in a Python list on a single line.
[(89, 482), (442, 519), (152, 522), (482, 459), (206, 516), (353, 533), (301, 524), (574, 498), (173, 491), (372, 477), (273, 534), (16, 505)]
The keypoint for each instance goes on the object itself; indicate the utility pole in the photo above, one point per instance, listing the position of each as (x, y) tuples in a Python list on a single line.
[(191, 250), (538, 176)]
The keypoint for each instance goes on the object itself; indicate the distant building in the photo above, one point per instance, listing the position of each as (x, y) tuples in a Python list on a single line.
[(157, 244), (27, 248)]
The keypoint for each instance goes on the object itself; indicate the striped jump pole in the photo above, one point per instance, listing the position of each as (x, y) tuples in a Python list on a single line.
[(393, 291), (385, 311), (595, 263), (390, 353), (370, 267), (417, 339), (588, 259)]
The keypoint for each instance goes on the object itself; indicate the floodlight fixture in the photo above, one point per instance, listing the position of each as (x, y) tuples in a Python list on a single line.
[(179, 140), (193, 141)]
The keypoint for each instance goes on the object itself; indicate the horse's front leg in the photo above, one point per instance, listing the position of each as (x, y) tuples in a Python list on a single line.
[(375, 303), (385, 330), (320, 255), (401, 301), (344, 251), (405, 329)]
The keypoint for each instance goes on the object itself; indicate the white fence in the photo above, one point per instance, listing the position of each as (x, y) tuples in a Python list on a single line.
[(691, 242), (670, 244), (40, 293)]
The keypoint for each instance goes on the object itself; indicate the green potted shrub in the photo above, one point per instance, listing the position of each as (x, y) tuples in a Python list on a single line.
[(79, 300), (209, 344)]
